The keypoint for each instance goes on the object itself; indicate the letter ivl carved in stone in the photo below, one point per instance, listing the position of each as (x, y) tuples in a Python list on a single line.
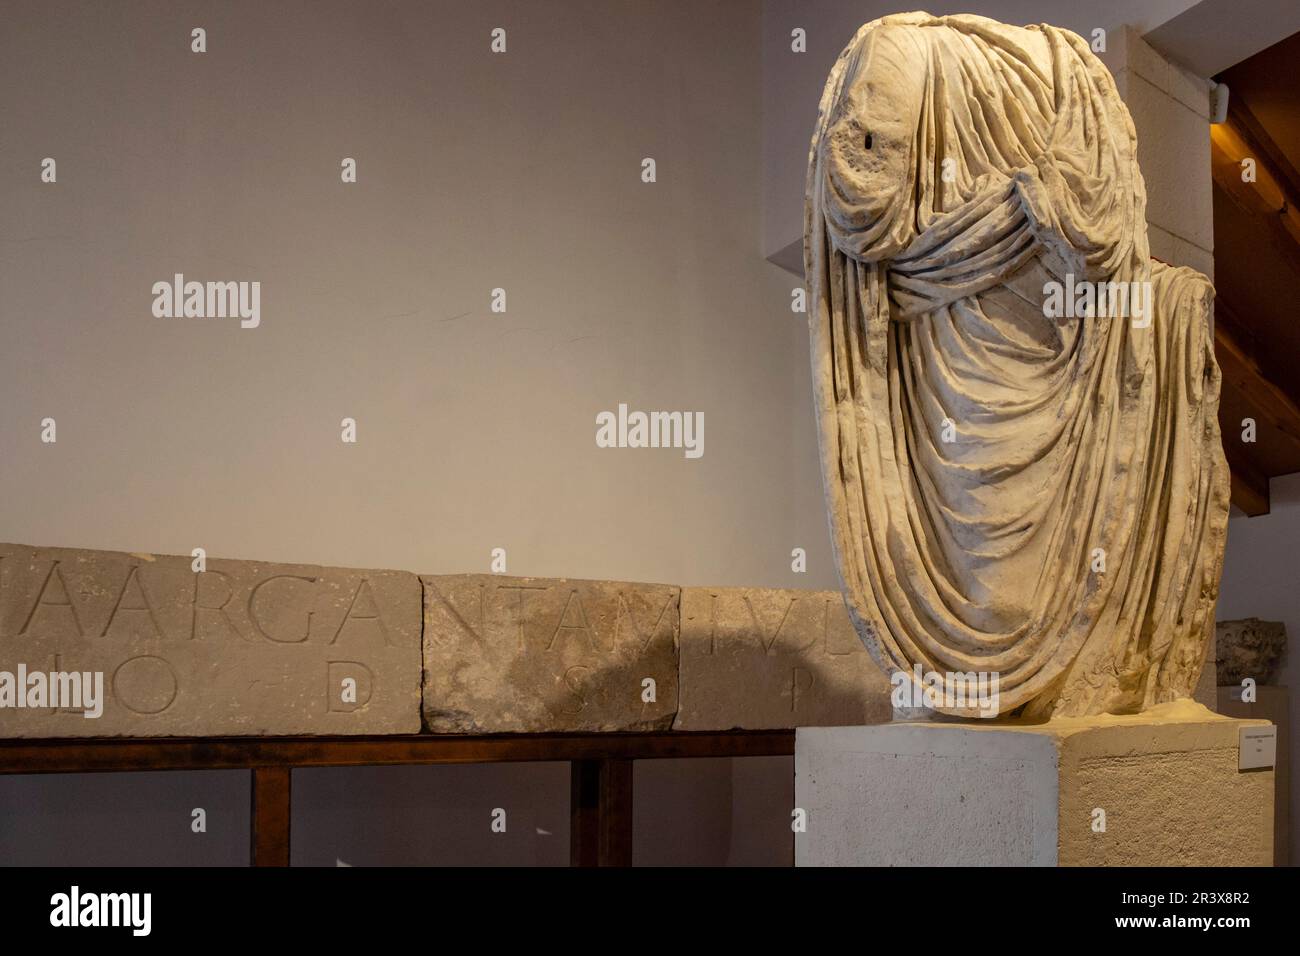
[(768, 645), (854, 645)]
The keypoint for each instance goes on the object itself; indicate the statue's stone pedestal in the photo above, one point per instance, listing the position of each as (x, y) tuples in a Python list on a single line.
[(1001, 793)]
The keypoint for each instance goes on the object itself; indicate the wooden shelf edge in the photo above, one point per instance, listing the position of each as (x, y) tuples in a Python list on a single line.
[(93, 755)]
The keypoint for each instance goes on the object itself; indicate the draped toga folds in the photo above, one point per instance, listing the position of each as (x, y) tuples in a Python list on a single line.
[(1039, 496)]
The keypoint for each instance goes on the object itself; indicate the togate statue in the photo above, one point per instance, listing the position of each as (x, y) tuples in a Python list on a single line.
[(1017, 407)]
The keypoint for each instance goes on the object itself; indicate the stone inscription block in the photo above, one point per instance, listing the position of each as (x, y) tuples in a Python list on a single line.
[(243, 648), (511, 654), (762, 658)]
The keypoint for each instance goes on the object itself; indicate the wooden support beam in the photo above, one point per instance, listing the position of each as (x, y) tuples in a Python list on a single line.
[(85, 755), (600, 798), (1269, 198), (1249, 486), (1257, 137), (269, 823), (1277, 416), (600, 820), (1277, 411)]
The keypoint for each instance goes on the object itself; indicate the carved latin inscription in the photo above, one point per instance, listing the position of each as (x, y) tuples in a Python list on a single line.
[(509, 654), (764, 658), (241, 648)]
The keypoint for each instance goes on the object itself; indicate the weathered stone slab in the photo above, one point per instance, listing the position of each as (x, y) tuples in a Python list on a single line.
[(512, 654), (242, 648), (762, 658)]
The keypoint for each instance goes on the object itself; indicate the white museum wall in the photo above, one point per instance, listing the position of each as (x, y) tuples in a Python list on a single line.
[(1260, 579), (476, 171)]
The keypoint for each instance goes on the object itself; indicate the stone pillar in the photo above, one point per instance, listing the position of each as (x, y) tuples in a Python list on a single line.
[(1170, 107)]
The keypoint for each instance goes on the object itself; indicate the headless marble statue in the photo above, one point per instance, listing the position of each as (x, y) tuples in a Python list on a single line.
[(1014, 487)]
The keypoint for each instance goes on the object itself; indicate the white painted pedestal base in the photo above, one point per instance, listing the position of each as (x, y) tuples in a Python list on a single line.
[(1007, 794)]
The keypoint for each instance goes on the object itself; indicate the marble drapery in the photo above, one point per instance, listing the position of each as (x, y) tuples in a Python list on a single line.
[(1040, 497)]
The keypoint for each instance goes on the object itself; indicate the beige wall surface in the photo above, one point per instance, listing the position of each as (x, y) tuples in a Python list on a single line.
[(476, 171), (476, 430)]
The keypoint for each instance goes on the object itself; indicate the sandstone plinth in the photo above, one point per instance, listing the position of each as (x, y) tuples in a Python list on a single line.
[(1160, 788)]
